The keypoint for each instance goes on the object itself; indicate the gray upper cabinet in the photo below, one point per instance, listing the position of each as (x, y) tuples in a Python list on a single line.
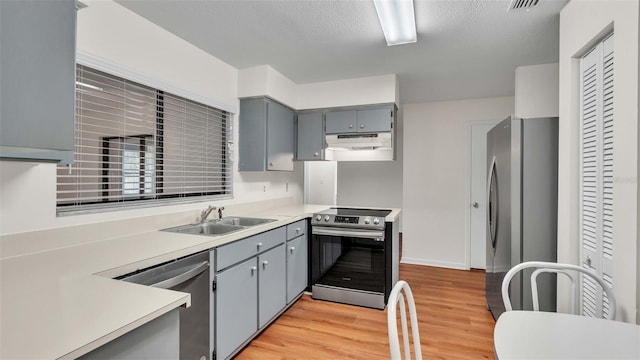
[(37, 80), (310, 136), (375, 120), (341, 121), (266, 136), (365, 120)]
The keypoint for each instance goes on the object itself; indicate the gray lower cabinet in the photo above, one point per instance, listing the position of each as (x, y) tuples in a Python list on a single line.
[(266, 135), (250, 288), (236, 305), (297, 264), (37, 80), (272, 289), (310, 145), (297, 259)]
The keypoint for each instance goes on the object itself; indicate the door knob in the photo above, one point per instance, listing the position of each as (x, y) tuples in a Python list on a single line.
[(475, 205)]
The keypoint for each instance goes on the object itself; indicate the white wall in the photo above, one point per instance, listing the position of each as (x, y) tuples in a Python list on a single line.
[(582, 24), (436, 174), (320, 182), (264, 80), (349, 92), (135, 45), (537, 91), (373, 183)]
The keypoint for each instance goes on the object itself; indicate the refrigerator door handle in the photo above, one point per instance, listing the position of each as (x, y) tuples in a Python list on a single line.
[(492, 203)]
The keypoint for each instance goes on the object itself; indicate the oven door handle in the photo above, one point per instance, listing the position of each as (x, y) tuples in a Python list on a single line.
[(359, 233)]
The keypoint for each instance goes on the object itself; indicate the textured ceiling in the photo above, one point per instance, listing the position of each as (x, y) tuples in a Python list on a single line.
[(465, 49)]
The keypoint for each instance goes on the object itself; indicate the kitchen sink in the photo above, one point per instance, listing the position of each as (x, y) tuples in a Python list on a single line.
[(217, 227)]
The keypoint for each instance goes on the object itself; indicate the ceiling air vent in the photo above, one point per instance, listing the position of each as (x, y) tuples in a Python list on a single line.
[(522, 4)]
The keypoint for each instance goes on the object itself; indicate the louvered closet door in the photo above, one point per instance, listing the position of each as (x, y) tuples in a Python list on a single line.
[(596, 207)]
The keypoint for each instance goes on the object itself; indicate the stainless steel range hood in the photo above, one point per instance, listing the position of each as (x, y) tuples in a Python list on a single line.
[(360, 147)]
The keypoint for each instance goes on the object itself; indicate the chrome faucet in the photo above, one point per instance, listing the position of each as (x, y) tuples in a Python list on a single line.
[(206, 212), (220, 212)]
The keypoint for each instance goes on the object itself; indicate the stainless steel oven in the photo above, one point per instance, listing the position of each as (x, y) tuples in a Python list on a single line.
[(351, 257)]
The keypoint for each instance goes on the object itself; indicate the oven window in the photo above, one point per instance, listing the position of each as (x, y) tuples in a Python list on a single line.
[(348, 262)]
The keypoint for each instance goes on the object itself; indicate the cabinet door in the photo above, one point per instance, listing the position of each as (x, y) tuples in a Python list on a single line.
[(296, 267), (310, 136), (341, 121), (252, 127), (272, 284), (280, 137), (236, 306), (375, 120), (37, 105)]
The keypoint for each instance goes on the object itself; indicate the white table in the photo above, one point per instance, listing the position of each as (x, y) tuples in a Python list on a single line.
[(544, 335)]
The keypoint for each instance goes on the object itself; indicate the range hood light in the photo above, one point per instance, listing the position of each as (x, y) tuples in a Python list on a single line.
[(357, 142)]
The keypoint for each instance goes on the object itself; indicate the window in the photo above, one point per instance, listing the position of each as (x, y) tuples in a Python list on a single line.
[(596, 174), (138, 146)]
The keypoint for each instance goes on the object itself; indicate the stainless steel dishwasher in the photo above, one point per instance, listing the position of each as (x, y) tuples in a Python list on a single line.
[(189, 274)]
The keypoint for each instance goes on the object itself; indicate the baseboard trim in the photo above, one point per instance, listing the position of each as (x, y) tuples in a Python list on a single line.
[(442, 264)]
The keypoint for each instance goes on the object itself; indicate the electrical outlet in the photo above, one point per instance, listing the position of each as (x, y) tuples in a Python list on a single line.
[(264, 188)]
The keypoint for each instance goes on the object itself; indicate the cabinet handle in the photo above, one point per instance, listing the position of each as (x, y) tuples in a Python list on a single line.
[(316, 154), (362, 126), (253, 270), (270, 164), (292, 249), (350, 126), (264, 264), (298, 230), (259, 245)]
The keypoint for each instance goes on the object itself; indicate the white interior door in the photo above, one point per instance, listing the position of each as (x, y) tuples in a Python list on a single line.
[(478, 196), (596, 175)]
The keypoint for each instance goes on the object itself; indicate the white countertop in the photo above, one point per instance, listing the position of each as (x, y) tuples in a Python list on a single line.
[(57, 298)]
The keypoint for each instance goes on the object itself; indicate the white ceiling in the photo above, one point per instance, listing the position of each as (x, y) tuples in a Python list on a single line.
[(465, 49)]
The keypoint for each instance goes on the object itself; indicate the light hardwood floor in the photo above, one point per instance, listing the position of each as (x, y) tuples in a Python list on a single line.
[(453, 319)]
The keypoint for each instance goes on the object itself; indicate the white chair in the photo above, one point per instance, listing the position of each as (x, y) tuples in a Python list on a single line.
[(396, 297), (570, 271)]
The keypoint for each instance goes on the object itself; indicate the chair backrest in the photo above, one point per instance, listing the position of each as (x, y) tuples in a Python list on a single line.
[(396, 297), (569, 270)]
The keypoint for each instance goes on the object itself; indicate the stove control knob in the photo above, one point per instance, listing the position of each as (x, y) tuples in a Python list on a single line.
[(376, 221), (367, 221), (326, 218), (318, 217)]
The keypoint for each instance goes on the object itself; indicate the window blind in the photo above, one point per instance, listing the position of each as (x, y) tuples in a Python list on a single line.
[(137, 146), (596, 175)]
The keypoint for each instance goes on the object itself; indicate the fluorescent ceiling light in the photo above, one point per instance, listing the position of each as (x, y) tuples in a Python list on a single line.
[(398, 21)]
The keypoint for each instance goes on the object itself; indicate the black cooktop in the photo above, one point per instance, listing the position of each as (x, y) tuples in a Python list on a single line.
[(356, 212)]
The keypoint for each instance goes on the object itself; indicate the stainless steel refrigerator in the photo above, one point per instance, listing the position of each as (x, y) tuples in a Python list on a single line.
[(522, 178)]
